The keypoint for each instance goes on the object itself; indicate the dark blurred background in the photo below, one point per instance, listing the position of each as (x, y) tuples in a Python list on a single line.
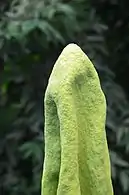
[(32, 35)]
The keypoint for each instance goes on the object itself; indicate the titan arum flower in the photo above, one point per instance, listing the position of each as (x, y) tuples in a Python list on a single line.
[(76, 152)]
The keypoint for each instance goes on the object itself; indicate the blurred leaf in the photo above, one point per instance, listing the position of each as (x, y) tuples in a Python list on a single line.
[(28, 26), (31, 149), (116, 160), (113, 170), (50, 31), (124, 178)]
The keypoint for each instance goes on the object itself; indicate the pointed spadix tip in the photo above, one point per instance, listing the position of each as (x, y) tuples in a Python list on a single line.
[(72, 47)]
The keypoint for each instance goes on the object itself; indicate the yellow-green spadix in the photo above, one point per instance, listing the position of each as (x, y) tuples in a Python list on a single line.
[(76, 152)]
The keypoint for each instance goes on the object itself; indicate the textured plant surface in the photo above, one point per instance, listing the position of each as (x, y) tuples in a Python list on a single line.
[(76, 152), (32, 34)]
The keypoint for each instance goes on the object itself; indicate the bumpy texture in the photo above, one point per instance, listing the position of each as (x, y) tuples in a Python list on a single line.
[(76, 153)]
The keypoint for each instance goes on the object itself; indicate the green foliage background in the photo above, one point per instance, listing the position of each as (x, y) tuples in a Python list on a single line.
[(32, 35)]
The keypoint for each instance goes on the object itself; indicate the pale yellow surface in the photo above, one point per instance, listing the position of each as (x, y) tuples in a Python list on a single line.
[(76, 153)]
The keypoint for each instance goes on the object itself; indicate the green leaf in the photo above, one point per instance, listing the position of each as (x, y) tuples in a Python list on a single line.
[(50, 31), (118, 161), (31, 149), (124, 179), (113, 171), (13, 29), (66, 9), (28, 26)]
